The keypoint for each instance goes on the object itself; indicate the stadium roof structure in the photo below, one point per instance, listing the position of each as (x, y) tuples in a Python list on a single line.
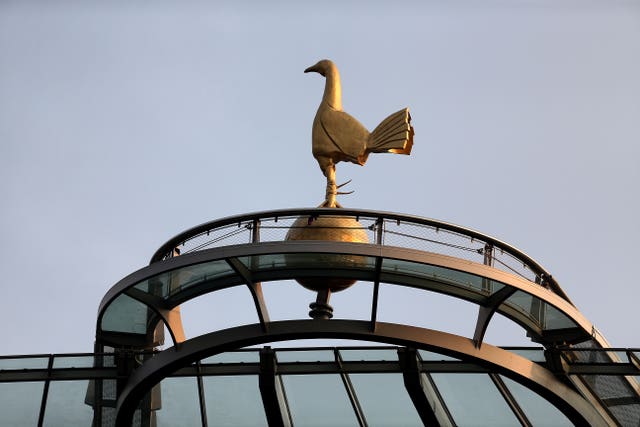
[(398, 374)]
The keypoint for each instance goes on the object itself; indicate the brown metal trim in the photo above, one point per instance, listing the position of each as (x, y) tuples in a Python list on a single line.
[(585, 327), (521, 370)]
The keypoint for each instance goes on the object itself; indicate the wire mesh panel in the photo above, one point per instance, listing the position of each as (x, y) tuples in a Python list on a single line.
[(380, 228)]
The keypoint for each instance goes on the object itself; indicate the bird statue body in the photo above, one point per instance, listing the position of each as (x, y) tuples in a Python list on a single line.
[(339, 137)]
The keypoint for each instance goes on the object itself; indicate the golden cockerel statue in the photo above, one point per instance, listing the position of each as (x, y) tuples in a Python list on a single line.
[(338, 137)]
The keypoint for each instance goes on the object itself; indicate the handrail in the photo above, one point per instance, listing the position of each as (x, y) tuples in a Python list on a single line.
[(429, 234)]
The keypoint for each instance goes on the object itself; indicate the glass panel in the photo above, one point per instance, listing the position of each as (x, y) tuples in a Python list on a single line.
[(537, 409), (171, 282), (305, 261), (545, 315), (533, 354), (74, 362), (474, 400), (384, 400), (263, 262), (233, 401), (66, 404), (430, 356), (441, 274), (125, 314), (24, 363), (285, 356), (180, 404), (369, 354), (555, 319), (234, 357), (20, 403), (318, 400)]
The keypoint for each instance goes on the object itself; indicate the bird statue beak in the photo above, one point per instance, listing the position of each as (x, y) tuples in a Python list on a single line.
[(315, 69)]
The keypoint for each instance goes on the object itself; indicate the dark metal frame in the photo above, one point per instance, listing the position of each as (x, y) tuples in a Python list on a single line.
[(495, 359), (489, 304), (253, 220)]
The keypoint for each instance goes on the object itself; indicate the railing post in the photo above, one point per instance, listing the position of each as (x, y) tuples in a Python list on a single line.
[(488, 260), (255, 231), (488, 254), (379, 230)]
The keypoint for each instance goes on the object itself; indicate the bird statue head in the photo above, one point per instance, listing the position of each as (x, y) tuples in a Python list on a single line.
[(322, 67)]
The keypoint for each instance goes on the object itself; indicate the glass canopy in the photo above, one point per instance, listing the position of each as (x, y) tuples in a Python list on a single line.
[(321, 386)]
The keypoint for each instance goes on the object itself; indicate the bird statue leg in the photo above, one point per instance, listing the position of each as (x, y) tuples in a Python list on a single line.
[(332, 189)]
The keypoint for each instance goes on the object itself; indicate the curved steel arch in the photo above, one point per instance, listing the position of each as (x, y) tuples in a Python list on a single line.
[(522, 370), (383, 252)]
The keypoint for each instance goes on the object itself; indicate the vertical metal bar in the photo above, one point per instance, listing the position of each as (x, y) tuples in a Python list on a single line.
[(413, 383), (376, 291), (488, 260), (255, 234), (536, 305), (379, 230), (201, 396), (97, 388), (437, 401), (376, 282), (45, 391), (273, 397), (511, 401), (362, 421)]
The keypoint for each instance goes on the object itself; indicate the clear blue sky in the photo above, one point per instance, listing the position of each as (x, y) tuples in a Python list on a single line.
[(123, 123)]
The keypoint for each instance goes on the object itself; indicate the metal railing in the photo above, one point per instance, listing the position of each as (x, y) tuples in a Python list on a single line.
[(383, 228)]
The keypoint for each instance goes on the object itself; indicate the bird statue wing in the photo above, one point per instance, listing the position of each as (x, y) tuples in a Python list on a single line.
[(347, 135)]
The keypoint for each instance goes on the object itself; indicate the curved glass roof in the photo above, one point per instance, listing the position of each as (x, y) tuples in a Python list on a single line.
[(135, 305), (253, 251)]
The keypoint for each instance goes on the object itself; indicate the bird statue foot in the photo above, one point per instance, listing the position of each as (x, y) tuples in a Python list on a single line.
[(342, 185)]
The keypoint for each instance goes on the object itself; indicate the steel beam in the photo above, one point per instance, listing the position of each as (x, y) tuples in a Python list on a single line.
[(272, 391), (518, 368)]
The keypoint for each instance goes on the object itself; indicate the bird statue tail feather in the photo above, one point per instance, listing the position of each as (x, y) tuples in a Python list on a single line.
[(393, 135)]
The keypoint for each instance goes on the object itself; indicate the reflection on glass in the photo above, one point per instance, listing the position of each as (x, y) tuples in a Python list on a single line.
[(306, 260), (286, 356), (168, 283), (233, 401), (555, 319), (20, 403), (384, 400), (318, 400), (537, 409), (66, 404), (369, 354), (441, 274), (533, 354), (545, 315), (430, 356), (474, 400), (234, 357), (23, 363), (180, 405), (125, 314), (74, 362)]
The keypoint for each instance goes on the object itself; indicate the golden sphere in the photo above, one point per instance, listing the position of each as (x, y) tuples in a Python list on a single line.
[(330, 228)]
